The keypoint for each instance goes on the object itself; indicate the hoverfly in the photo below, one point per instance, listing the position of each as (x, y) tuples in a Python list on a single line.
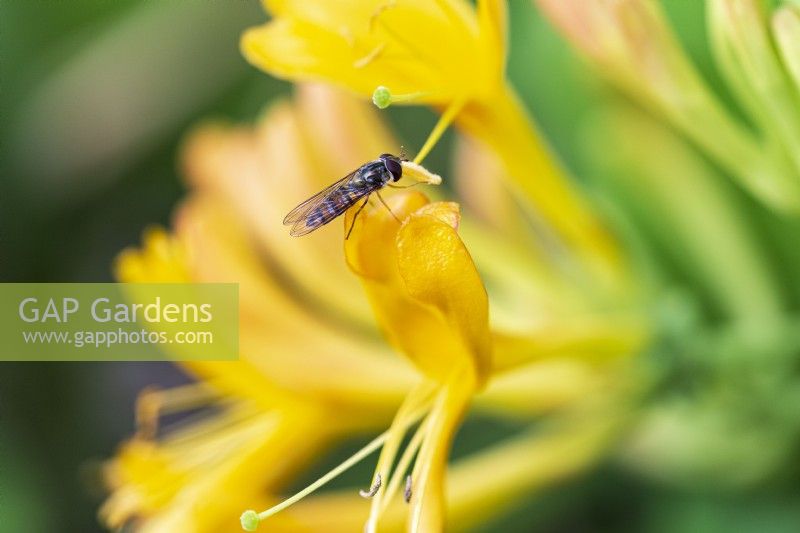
[(337, 198)]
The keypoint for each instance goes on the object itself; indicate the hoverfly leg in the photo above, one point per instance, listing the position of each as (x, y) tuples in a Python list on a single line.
[(387, 206), (353, 223)]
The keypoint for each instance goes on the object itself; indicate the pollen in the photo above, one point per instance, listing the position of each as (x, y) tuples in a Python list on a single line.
[(373, 490)]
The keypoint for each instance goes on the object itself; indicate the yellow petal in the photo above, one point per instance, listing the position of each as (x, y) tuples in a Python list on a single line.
[(422, 283), (438, 270), (162, 259), (196, 478), (299, 51), (480, 180), (436, 50)]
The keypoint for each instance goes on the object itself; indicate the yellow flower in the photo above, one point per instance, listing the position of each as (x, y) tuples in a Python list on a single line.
[(366, 44), (430, 303), (313, 368), (450, 55)]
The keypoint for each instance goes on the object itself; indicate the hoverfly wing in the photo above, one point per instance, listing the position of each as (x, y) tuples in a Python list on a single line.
[(333, 205), (301, 211), (325, 206)]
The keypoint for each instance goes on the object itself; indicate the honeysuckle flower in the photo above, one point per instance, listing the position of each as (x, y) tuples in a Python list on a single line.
[(517, 303), (559, 348), (431, 304), (421, 283), (450, 55), (367, 45), (634, 47)]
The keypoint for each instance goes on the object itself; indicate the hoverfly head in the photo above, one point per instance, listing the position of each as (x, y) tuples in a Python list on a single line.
[(392, 164)]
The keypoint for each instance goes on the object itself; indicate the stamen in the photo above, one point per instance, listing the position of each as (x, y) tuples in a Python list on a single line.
[(370, 57), (402, 465), (420, 472), (444, 121), (407, 490), (376, 443), (373, 490), (250, 519), (419, 396), (382, 97)]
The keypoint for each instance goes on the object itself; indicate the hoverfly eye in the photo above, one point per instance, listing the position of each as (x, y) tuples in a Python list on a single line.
[(393, 166)]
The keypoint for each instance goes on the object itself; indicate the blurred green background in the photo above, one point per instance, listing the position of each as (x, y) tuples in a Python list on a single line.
[(96, 97)]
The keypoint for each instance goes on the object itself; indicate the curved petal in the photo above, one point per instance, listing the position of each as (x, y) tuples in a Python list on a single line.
[(422, 283)]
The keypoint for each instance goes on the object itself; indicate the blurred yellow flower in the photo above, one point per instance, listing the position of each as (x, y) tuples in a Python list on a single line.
[(278, 405)]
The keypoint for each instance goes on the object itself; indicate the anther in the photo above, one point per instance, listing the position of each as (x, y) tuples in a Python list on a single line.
[(373, 490), (407, 490)]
